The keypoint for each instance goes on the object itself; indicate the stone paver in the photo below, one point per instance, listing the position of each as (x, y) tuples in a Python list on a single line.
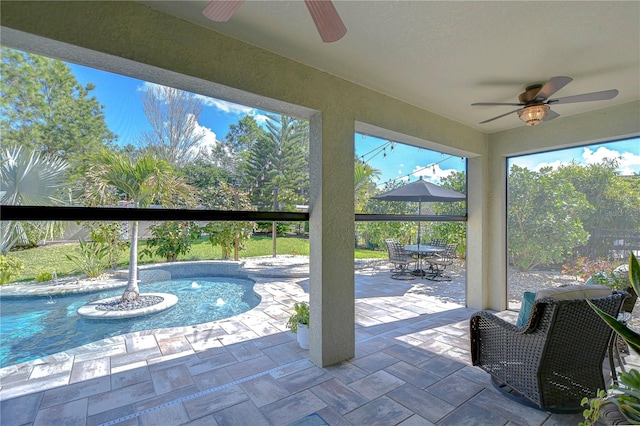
[(412, 367)]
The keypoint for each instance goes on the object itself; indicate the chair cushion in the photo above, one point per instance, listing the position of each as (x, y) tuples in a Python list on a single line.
[(527, 302), (570, 292)]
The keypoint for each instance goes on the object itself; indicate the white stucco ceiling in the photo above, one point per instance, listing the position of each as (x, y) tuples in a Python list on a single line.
[(444, 55)]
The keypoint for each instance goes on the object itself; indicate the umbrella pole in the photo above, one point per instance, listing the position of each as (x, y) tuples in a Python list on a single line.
[(419, 223)]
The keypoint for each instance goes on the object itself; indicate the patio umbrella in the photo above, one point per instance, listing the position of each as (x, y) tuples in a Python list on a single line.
[(421, 191)]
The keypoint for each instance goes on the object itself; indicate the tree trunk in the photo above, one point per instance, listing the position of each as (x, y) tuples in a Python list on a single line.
[(132, 292)]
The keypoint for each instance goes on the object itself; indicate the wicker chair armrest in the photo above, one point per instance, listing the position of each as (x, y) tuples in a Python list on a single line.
[(503, 334)]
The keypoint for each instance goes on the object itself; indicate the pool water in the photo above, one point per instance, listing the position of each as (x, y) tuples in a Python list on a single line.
[(34, 327)]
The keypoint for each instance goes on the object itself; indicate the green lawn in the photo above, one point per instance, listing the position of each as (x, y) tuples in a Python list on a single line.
[(54, 257)]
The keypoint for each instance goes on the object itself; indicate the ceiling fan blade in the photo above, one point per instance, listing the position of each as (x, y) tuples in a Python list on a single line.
[(552, 86), (327, 20), (586, 97), (550, 115), (221, 10), (500, 116), (494, 104)]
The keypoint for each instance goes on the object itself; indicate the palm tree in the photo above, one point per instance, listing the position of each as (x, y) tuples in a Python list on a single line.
[(141, 181), (30, 179)]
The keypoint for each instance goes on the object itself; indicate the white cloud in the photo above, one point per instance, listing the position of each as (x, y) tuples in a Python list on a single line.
[(433, 174), (224, 106), (553, 164), (628, 162), (220, 105)]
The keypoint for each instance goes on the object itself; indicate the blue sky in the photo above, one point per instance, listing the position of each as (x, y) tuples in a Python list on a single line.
[(121, 97)]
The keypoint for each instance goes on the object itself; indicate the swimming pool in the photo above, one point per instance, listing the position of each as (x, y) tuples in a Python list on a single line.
[(34, 327)]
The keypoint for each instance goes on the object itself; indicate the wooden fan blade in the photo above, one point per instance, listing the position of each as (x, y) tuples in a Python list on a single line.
[(327, 20), (500, 116), (552, 86), (586, 97), (221, 10), (550, 115), (495, 103)]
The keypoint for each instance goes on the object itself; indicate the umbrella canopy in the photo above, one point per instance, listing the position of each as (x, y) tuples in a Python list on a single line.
[(422, 191)]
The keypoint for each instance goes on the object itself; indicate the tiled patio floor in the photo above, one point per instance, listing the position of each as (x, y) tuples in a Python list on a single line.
[(412, 367)]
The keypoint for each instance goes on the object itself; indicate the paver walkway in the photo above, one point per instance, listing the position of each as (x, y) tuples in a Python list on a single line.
[(412, 367)]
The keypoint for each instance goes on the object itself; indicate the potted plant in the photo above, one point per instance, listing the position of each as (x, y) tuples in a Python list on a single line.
[(626, 395), (299, 323)]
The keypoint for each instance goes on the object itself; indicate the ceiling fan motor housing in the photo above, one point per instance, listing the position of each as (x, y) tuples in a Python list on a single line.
[(529, 95)]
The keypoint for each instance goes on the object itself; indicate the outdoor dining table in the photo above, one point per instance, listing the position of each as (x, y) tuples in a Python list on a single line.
[(423, 251)]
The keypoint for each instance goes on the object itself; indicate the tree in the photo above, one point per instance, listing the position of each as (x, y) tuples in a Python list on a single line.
[(141, 181), (365, 186), (278, 167), (173, 115), (277, 171), (452, 231), (242, 136), (30, 178), (227, 234), (43, 108), (544, 218), (615, 200)]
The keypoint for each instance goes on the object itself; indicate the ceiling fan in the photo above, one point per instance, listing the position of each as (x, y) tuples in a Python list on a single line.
[(323, 12), (535, 101)]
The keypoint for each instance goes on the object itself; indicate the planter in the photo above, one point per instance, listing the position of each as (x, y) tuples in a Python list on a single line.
[(303, 336)]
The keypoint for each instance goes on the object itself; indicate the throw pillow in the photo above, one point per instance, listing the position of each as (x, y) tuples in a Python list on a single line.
[(525, 307)]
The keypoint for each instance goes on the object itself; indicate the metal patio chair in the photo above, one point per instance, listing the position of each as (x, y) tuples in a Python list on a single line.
[(400, 260), (439, 262)]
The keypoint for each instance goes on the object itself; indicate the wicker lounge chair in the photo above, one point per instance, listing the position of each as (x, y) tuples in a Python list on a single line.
[(555, 359), (399, 259)]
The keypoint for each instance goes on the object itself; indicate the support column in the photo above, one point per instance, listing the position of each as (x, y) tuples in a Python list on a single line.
[(332, 231), (486, 233)]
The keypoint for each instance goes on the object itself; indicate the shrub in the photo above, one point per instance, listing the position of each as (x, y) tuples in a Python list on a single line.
[(109, 236), (42, 276), (171, 239), (91, 258), (10, 266)]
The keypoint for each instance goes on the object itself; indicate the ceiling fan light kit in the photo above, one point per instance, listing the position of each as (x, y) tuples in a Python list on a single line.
[(533, 114), (535, 101)]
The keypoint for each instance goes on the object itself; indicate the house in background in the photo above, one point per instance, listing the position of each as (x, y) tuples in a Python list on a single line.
[(406, 71)]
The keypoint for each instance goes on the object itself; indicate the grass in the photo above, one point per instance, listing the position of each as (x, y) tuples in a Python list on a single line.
[(50, 258)]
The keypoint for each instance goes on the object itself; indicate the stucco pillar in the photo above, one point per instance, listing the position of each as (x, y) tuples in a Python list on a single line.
[(486, 276), (332, 231)]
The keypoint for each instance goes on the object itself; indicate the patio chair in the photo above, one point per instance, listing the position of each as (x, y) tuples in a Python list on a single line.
[(438, 242), (399, 259), (556, 358), (439, 262)]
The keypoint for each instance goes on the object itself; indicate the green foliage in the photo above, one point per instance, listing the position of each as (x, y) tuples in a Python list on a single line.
[(592, 413), (171, 239), (364, 180), (90, 257), (276, 172), (626, 396), (109, 236), (224, 234), (601, 271), (602, 187), (544, 218), (30, 178), (42, 276), (43, 108), (300, 316), (10, 266)]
